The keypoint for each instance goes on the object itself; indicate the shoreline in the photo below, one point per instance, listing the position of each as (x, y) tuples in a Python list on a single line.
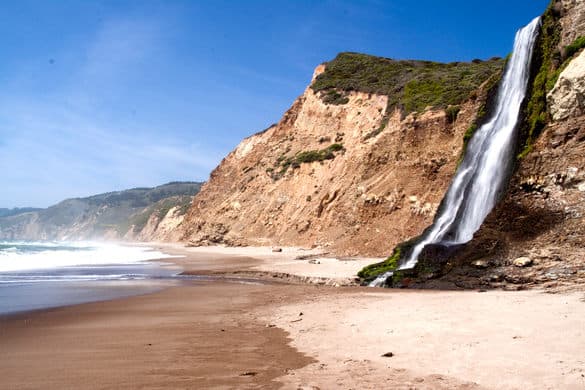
[(290, 265), (259, 334), (195, 334)]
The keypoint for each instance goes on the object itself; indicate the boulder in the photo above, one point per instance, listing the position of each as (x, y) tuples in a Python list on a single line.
[(481, 264), (567, 98), (523, 262)]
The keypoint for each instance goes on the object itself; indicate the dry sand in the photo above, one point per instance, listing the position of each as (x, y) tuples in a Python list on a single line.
[(234, 335), (496, 340), (290, 264)]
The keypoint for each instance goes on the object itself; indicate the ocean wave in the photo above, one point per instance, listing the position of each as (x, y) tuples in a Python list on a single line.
[(68, 255)]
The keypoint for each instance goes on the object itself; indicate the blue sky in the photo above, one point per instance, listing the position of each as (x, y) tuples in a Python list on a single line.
[(99, 96)]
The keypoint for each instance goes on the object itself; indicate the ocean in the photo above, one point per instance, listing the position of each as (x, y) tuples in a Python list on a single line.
[(38, 275)]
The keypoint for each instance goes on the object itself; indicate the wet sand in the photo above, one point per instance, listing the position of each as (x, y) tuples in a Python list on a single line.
[(238, 335), (202, 335)]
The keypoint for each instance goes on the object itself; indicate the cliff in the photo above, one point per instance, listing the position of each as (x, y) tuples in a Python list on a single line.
[(361, 160), (357, 164), (542, 217), (536, 234), (136, 214)]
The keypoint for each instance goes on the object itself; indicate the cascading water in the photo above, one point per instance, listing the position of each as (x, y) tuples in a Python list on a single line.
[(484, 171)]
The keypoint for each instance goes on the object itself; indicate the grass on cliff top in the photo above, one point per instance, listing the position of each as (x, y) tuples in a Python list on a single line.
[(410, 85)]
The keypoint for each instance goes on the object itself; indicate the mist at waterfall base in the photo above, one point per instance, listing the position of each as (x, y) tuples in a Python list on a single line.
[(37, 275), (485, 169)]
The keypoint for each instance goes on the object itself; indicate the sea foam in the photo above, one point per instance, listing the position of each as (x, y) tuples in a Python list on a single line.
[(28, 256)]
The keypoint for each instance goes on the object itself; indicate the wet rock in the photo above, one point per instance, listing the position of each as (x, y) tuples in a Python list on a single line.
[(523, 262), (481, 264)]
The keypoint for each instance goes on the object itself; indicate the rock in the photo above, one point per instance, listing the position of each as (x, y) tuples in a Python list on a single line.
[(523, 262), (276, 249), (567, 98), (481, 264), (388, 354)]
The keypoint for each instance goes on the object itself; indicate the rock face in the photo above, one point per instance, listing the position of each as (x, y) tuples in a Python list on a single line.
[(567, 98), (375, 178), (572, 20), (542, 216), (160, 228)]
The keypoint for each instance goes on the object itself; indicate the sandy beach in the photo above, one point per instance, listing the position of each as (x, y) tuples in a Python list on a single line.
[(285, 334)]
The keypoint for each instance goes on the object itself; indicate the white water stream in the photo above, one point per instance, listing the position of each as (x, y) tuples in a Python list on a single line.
[(483, 173)]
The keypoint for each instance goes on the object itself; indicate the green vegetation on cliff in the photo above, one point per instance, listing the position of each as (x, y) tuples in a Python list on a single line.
[(410, 85), (547, 61), (303, 157)]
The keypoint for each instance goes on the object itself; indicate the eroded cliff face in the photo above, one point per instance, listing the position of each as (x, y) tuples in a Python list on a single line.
[(160, 228), (536, 235), (572, 20), (350, 177)]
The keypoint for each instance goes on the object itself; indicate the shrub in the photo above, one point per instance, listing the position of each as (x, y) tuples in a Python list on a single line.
[(410, 85), (452, 112), (574, 47), (334, 97), (304, 157)]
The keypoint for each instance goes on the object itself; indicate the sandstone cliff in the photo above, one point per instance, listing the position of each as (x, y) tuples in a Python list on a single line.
[(382, 158), (353, 172)]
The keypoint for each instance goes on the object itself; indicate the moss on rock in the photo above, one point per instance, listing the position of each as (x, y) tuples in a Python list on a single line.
[(370, 272)]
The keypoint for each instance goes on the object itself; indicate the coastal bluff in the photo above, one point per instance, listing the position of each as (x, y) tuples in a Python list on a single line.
[(358, 163)]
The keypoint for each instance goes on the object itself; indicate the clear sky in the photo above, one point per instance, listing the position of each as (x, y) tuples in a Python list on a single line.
[(99, 96)]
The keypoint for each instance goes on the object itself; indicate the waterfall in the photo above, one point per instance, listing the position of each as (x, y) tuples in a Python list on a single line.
[(484, 171)]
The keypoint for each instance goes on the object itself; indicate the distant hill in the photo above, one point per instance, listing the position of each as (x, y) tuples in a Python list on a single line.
[(114, 215), (16, 211)]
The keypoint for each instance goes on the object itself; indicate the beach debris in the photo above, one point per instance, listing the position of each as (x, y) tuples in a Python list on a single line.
[(249, 373), (297, 320), (314, 261), (388, 354), (523, 262), (270, 326), (276, 249)]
